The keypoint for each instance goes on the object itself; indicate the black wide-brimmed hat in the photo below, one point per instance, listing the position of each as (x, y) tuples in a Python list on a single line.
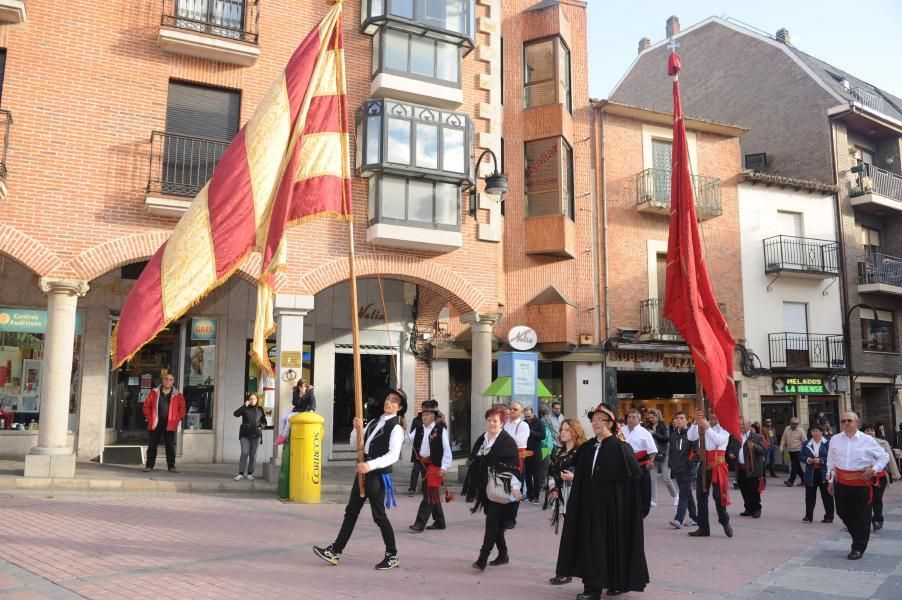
[(430, 406), (401, 395)]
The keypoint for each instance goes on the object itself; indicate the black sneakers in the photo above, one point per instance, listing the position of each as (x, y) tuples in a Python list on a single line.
[(328, 554), (389, 562)]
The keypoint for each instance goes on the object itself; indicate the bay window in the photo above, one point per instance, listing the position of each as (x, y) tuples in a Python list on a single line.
[(546, 77), (400, 52), (549, 177), (414, 202), (448, 18)]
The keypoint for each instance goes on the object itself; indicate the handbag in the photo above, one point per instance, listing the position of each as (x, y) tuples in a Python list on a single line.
[(500, 487)]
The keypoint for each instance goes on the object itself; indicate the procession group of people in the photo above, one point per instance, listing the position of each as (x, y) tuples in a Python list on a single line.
[(599, 489)]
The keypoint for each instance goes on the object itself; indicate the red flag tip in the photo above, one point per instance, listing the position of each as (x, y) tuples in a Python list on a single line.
[(673, 64)]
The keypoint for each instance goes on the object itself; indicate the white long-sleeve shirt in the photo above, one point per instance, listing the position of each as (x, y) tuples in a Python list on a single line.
[(394, 445), (519, 430), (640, 439), (745, 437), (424, 450), (854, 454), (716, 437)]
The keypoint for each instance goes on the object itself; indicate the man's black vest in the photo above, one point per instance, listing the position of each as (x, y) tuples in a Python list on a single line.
[(436, 447), (380, 442)]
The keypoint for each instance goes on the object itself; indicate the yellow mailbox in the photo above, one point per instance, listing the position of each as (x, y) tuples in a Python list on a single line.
[(306, 457)]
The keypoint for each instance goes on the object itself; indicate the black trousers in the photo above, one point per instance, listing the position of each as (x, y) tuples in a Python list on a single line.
[(687, 500), (853, 508), (496, 515), (645, 490), (168, 440), (877, 504), (795, 467), (375, 493), (416, 472), (820, 483), (748, 486), (533, 468), (701, 499), (426, 509)]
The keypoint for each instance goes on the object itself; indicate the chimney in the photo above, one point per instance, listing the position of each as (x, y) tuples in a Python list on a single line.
[(644, 44), (783, 36), (673, 26)]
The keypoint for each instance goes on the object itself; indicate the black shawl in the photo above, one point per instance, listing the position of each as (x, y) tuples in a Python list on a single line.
[(603, 539), (503, 457)]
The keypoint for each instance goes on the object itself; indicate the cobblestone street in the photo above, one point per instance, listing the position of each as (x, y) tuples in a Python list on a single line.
[(198, 546)]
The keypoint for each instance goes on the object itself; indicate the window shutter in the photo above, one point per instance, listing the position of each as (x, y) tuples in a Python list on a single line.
[(202, 112), (795, 317)]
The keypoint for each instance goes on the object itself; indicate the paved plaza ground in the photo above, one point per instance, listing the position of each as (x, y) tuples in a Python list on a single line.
[(109, 545)]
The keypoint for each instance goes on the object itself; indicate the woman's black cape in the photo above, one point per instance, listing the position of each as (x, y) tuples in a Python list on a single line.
[(603, 540)]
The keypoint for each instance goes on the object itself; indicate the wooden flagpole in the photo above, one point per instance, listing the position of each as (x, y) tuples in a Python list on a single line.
[(358, 374)]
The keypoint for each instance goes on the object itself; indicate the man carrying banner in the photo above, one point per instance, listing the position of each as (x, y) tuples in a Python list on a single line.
[(712, 474)]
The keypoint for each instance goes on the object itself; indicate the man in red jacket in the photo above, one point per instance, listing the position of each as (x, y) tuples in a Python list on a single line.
[(164, 408)]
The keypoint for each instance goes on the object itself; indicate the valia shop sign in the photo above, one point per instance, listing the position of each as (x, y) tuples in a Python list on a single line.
[(522, 338)]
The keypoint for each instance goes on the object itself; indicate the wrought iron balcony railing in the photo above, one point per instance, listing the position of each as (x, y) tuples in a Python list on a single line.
[(806, 351), (868, 98), (653, 192), (880, 268), (806, 256), (653, 324), (181, 165), (874, 180), (233, 19)]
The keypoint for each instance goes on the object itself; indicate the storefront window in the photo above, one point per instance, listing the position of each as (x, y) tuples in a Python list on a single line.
[(199, 373), (22, 335), (259, 383), (878, 332)]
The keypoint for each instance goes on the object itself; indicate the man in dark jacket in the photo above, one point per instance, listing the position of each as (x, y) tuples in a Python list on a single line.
[(533, 463), (750, 469), (681, 460)]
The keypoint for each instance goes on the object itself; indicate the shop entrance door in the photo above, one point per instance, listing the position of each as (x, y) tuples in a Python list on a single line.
[(378, 376), (132, 383), (829, 405), (780, 411)]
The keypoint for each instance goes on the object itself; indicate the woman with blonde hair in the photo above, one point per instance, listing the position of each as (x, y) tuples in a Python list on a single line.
[(560, 476)]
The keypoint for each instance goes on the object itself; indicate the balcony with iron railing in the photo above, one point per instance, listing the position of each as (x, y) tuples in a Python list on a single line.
[(220, 30), (880, 274), (806, 351), (180, 167), (868, 98), (6, 119), (653, 193), (653, 325), (876, 190), (801, 257)]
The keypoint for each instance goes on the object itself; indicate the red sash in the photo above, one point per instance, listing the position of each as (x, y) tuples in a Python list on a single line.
[(720, 475), (432, 480), (853, 479), (643, 457)]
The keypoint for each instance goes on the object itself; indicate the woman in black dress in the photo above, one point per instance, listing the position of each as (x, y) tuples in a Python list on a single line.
[(494, 454), (560, 476)]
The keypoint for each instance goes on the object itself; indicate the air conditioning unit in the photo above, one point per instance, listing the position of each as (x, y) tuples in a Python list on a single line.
[(756, 162)]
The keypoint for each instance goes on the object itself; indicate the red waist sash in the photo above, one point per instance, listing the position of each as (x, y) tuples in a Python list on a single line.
[(643, 457), (432, 481), (715, 461), (853, 479)]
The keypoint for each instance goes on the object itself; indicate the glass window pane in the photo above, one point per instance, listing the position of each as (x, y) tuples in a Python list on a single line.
[(399, 141), (564, 74), (446, 204), (402, 8), (454, 156), (539, 76), (420, 204), (393, 198), (427, 146), (567, 179), (422, 56), (378, 8), (539, 94), (371, 199), (456, 17), (373, 140), (396, 50), (542, 177), (433, 13), (377, 46), (448, 64)]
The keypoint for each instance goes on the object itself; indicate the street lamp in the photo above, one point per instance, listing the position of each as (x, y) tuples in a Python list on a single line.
[(496, 184), (848, 336)]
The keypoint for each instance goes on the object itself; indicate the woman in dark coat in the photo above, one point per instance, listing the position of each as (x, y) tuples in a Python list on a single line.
[(250, 432), (560, 476), (495, 451), (602, 542)]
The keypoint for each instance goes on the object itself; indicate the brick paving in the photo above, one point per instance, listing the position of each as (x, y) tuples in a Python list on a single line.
[(60, 545)]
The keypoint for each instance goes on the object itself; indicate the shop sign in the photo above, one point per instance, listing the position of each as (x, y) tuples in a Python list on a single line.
[(522, 338), (804, 385), (370, 313), (524, 383), (646, 360), (203, 329), (18, 320), (291, 359)]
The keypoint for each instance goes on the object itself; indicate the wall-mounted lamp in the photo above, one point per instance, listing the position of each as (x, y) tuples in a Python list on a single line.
[(496, 184), (289, 375)]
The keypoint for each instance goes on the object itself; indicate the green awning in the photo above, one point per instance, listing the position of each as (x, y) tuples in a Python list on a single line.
[(502, 387)]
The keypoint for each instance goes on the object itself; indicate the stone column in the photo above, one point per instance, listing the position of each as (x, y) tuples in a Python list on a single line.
[(53, 456), (481, 376), (290, 310)]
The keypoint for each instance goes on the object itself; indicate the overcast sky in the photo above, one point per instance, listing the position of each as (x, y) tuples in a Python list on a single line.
[(862, 38)]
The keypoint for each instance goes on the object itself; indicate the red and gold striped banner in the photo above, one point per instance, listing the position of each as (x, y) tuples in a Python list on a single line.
[(289, 164)]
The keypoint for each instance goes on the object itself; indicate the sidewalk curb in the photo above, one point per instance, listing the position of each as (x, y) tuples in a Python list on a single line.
[(50, 484)]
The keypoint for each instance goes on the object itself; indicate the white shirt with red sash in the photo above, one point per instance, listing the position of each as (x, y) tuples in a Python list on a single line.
[(643, 444)]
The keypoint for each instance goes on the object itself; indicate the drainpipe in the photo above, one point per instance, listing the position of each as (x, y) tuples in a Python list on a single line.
[(843, 274), (596, 276)]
